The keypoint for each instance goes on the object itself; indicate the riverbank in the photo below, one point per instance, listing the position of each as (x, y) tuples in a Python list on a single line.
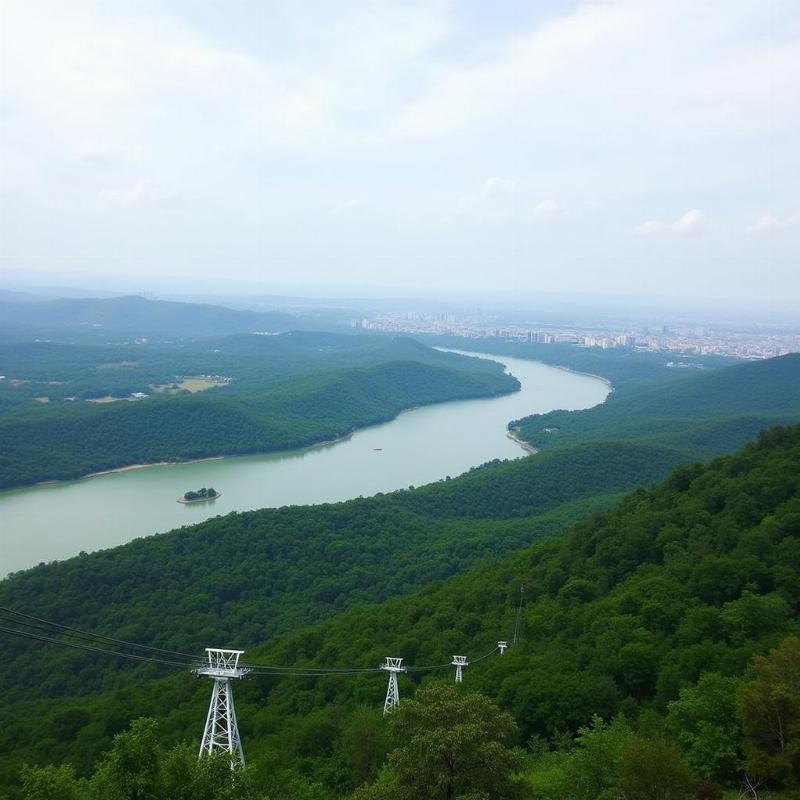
[(605, 380), (131, 467), (420, 446), (513, 434), (499, 356)]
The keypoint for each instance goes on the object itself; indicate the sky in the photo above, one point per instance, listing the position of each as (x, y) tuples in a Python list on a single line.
[(624, 147)]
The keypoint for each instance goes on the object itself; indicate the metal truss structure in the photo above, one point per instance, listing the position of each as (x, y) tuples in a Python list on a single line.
[(221, 731), (392, 666), (459, 662)]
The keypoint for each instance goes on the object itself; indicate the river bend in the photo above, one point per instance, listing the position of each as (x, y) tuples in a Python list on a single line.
[(56, 521)]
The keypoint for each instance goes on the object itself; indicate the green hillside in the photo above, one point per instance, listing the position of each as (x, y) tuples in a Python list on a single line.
[(278, 393), (687, 405), (651, 612), (700, 411), (268, 570), (697, 574)]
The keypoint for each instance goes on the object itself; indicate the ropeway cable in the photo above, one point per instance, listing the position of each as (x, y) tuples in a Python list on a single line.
[(94, 636), (267, 668), (318, 674), (481, 658), (80, 646), (154, 660), (450, 663), (186, 659), (51, 634), (46, 625)]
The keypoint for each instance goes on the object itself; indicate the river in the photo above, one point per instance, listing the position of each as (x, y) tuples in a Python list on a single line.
[(56, 521)]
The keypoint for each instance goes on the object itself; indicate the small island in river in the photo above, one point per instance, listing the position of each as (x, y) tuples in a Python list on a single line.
[(200, 496)]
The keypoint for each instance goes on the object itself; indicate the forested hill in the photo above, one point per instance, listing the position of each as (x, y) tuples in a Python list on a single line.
[(773, 383), (131, 316), (636, 437), (271, 393), (651, 612), (698, 415), (667, 596), (273, 569)]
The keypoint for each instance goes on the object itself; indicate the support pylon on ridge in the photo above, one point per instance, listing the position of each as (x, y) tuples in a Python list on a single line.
[(221, 731), (392, 666), (502, 646), (459, 662)]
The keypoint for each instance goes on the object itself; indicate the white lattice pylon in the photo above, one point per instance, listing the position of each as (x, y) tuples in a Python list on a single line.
[(392, 666), (221, 731), (502, 646), (459, 662)]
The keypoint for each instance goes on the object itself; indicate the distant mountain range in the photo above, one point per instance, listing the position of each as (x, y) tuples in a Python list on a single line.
[(22, 315)]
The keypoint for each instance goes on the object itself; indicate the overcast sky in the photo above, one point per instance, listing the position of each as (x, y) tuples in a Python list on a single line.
[(647, 147)]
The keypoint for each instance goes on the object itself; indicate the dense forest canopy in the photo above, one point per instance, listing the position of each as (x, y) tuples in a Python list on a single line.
[(667, 598), (695, 414), (266, 393), (670, 613)]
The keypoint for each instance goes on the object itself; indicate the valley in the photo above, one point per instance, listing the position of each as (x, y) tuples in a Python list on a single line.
[(290, 584), (420, 446)]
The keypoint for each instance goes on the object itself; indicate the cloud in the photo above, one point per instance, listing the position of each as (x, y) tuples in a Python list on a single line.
[(515, 118), (142, 191), (458, 94), (768, 223), (504, 198), (498, 184), (692, 223), (547, 209), (346, 205)]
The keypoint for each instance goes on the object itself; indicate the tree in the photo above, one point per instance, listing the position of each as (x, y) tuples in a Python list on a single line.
[(608, 761), (138, 768), (590, 769), (46, 783), (364, 743), (653, 769), (185, 777), (452, 745), (132, 770), (704, 721), (769, 707)]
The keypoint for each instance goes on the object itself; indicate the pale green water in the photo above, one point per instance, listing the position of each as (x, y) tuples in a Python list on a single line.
[(56, 521)]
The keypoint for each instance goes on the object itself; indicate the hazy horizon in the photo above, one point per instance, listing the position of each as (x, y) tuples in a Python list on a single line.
[(579, 309), (635, 151)]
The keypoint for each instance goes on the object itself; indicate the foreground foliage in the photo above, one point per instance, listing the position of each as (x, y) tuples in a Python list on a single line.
[(451, 745), (138, 767)]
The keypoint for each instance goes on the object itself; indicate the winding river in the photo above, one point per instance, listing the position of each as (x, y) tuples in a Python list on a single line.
[(56, 521)]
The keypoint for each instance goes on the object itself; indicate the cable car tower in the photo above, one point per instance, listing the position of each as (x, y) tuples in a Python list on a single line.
[(459, 662), (221, 731), (392, 666), (502, 646)]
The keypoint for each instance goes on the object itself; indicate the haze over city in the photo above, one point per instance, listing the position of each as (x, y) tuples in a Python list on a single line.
[(642, 149)]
